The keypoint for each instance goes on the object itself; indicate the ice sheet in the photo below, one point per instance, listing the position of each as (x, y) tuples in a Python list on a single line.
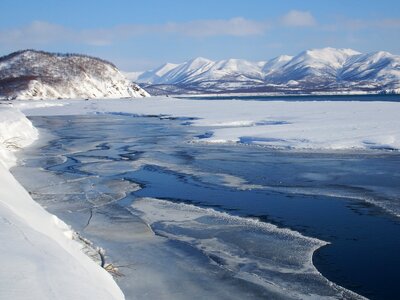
[(296, 125), (278, 259)]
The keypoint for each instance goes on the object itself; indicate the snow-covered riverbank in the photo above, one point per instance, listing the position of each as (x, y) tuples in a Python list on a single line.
[(40, 260)]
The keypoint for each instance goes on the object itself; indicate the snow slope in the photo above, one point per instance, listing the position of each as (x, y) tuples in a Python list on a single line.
[(316, 70), (157, 74), (187, 72), (33, 74), (40, 260), (275, 64)]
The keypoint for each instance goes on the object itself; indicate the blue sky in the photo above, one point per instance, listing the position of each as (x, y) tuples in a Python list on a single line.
[(138, 35)]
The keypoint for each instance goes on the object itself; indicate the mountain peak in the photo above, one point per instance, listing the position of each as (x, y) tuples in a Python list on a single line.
[(331, 50), (165, 68), (275, 63), (283, 57), (199, 61), (381, 54), (324, 58)]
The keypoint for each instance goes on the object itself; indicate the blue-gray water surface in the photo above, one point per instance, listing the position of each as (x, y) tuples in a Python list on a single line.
[(329, 196)]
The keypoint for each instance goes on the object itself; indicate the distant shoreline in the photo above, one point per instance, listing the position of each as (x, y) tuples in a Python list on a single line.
[(281, 95)]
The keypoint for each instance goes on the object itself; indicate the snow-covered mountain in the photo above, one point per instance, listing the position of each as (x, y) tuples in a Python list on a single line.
[(312, 66), (31, 74), (318, 70)]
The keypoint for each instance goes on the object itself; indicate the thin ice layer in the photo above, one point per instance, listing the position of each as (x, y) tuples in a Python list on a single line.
[(278, 259)]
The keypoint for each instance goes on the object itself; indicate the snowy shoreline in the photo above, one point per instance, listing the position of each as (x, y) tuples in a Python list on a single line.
[(278, 94), (38, 250)]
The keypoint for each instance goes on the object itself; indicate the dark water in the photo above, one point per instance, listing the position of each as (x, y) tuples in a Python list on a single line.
[(363, 98), (329, 196)]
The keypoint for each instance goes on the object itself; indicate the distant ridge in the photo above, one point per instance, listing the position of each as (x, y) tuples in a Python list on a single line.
[(326, 70), (32, 74), (16, 53)]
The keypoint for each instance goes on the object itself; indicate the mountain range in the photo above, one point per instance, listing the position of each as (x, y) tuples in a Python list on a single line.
[(31, 74), (326, 70)]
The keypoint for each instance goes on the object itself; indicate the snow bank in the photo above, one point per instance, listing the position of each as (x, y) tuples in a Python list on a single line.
[(39, 258), (16, 132), (338, 125)]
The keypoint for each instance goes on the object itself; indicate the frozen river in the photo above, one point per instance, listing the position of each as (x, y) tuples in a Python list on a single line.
[(190, 220)]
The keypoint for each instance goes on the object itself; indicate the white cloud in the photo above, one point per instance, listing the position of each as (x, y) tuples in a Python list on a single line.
[(389, 23), (199, 28), (42, 33), (362, 24), (354, 25), (232, 27), (297, 18), (36, 33)]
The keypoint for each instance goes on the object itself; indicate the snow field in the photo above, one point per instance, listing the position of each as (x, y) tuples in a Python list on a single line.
[(332, 126)]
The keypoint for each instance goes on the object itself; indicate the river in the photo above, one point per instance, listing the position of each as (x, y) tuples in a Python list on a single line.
[(226, 221)]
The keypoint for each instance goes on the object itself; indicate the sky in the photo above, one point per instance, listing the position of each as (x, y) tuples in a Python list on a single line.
[(140, 35)]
